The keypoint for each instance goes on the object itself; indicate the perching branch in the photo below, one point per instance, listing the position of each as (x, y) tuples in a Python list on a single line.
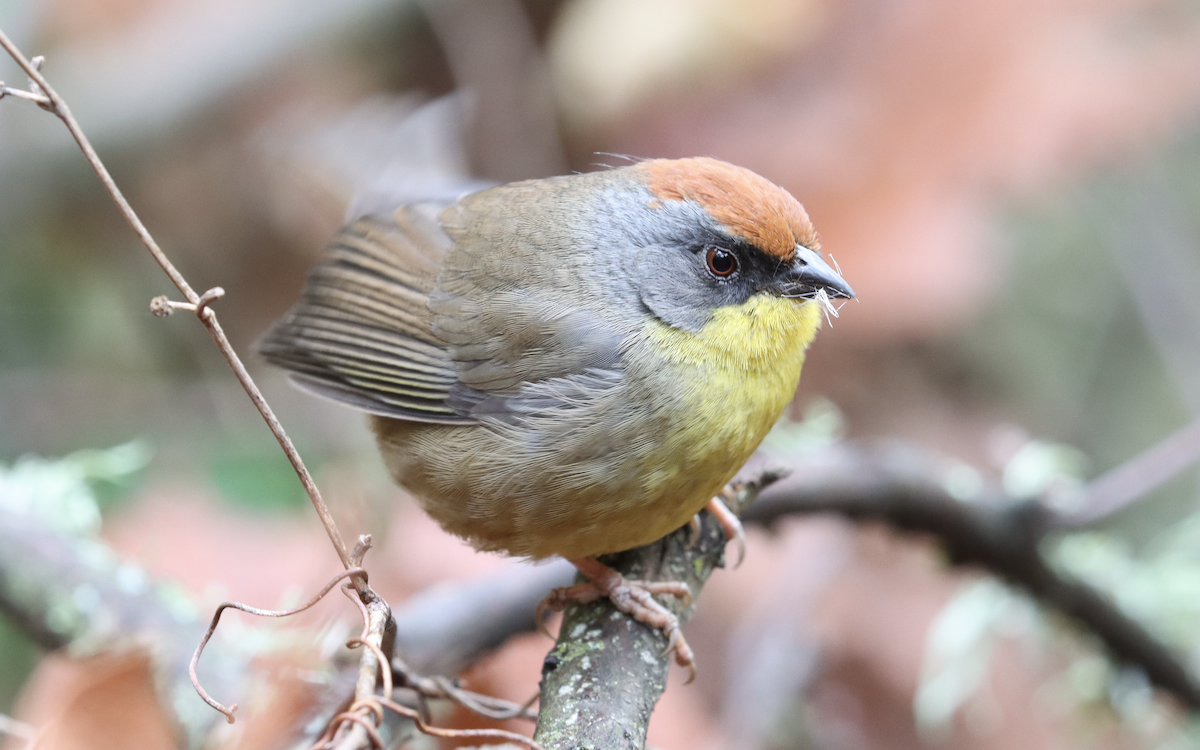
[(602, 679)]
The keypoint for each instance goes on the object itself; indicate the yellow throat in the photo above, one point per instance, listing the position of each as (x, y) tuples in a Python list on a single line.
[(739, 371)]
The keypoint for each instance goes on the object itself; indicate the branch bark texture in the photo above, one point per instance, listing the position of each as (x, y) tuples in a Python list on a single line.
[(602, 679)]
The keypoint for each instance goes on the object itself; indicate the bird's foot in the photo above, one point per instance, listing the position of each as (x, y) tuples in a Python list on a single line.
[(730, 523), (634, 598)]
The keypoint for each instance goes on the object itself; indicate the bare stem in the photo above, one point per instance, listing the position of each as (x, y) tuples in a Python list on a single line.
[(44, 95), (47, 98), (1135, 478), (57, 106), (364, 715), (216, 619)]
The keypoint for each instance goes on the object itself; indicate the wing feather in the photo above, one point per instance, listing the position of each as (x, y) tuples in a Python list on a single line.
[(361, 332), (375, 329)]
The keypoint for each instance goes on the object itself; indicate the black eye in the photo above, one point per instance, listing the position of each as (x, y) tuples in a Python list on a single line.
[(721, 263)]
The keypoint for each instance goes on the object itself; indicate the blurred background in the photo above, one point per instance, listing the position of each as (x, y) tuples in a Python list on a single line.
[(1013, 189)]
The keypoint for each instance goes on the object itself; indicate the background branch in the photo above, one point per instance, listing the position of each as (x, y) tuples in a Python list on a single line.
[(73, 592), (481, 614), (1135, 478), (899, 485), (605, 674)]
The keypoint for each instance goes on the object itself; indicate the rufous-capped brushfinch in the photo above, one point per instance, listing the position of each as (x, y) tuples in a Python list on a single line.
[(568, 366)]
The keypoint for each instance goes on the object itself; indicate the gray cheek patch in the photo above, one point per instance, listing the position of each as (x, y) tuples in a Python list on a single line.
[(666, 241), (673, 287)]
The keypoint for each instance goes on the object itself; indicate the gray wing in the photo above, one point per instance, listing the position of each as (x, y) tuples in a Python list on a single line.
[(375, 331), (360, 333), (525, 334), (525, 356)]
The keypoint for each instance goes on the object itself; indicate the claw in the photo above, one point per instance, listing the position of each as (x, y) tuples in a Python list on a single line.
[(677, 589), (540, 616), (686, 659), (634, 598), (673, 636)]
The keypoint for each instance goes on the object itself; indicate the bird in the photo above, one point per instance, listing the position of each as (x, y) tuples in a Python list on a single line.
[(568, 366)]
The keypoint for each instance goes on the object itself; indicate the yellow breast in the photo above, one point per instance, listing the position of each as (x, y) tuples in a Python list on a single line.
[(737, 374), (745, 363)]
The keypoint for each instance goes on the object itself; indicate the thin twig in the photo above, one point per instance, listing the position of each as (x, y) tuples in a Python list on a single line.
[(485, 705), (261, 613), (445, 688), (362, 610), (38, 99), (497, 734), (42, 93), (58, 107), (361, 724), (360, 550), (365, 715), (197, 303), (380, 659), (1135, 478)]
